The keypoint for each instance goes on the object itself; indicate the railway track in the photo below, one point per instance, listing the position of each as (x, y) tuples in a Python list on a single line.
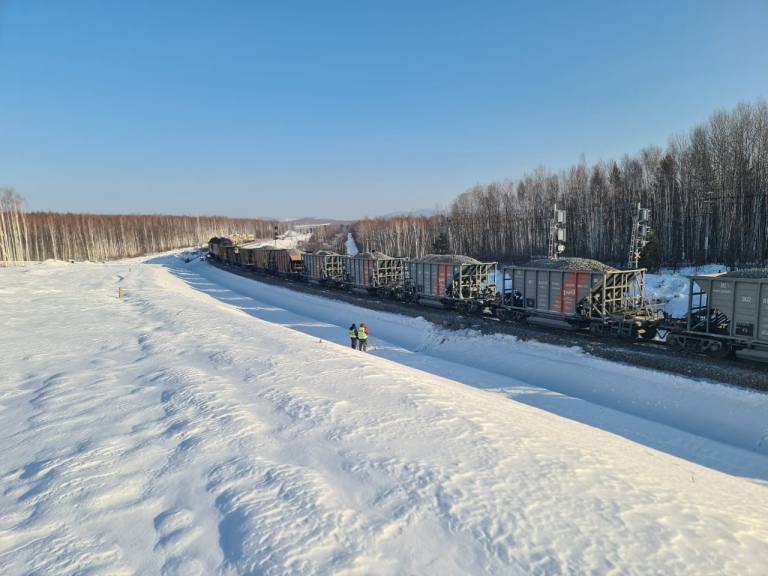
[(745, 371)]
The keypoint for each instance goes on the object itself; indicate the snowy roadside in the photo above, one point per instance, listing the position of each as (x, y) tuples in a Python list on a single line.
[(168, 432)]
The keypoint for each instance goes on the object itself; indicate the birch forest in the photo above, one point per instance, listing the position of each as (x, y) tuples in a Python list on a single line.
[(44, 235), (711, 183), (707, 192)]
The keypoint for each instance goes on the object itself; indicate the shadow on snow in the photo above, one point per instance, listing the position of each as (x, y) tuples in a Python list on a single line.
[(263, 301)]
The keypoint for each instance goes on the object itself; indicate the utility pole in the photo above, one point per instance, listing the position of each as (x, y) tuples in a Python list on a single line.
[(275, 235), (557, 234), (640, 227)]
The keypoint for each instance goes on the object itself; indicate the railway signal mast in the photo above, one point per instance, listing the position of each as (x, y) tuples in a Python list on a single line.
[(708, 223), (641, 225), (557, 234)]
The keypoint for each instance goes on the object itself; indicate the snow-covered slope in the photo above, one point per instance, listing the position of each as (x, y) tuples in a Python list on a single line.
[(562, 380), (671, 286), (173, 432)]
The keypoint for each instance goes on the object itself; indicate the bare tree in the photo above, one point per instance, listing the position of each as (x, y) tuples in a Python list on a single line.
[(44, 235), (13, 236), (708, 191)]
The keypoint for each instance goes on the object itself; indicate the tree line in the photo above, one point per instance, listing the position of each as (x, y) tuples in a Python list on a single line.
[(707, 191), (94, 237), (330, 237), (13, 227)]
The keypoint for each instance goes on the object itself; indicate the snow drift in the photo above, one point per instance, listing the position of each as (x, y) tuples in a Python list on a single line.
[(170, 432)]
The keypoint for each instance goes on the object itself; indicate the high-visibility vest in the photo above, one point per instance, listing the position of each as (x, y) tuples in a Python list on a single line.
[(353, 333), (362, 334)]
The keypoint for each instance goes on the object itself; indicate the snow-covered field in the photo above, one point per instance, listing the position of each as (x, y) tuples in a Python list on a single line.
[(208, 424), (289, 239)]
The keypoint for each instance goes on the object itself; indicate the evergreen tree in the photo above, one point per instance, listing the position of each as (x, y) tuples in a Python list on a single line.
[(440, 244), (650, 256)]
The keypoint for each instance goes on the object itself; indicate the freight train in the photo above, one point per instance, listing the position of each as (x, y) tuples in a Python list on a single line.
[(726, 312)]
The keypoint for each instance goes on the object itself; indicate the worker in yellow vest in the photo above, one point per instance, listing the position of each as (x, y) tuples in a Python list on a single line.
[(362, 337), (353, 336)]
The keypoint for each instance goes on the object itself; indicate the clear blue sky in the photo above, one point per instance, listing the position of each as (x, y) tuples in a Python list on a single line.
[(342, 109)]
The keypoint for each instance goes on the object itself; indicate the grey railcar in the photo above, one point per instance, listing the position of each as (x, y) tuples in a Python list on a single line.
[(453, 280), (726, 312), (375, 272), (323, 267), (605, 300)]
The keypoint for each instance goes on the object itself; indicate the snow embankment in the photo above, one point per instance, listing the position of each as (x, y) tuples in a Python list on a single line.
[(670, 287), (168, 432), (564, 380)]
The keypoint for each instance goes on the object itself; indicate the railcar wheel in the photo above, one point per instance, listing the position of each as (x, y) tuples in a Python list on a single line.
[(648, 333), (676, 342), (596, 329), (719, 350)]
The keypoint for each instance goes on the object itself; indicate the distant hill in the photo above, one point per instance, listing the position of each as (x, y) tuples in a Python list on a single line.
[(314, 220), (421, 212)]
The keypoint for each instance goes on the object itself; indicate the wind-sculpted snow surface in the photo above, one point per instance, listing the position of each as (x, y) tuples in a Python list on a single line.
[(169, 432)]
